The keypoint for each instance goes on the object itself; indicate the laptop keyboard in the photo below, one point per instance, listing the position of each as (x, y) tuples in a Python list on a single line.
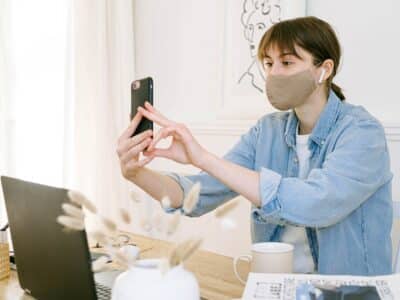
[(103, 292)]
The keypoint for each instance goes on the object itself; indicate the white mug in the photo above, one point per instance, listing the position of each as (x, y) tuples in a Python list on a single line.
[(269, 257)]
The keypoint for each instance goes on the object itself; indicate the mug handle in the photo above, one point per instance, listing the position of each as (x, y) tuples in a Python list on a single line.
[(236, 260)]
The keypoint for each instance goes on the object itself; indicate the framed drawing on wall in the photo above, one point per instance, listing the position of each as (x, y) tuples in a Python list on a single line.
[(243, 77)]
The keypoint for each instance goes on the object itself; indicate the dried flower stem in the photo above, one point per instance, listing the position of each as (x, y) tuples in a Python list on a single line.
[(125, 216), (191, 199), (191, 249), (79, 198), (99, 264), (73, 211), (134, 196), (71, 222), (226, 208), (182, 251), (109, 225), (173, 223), (166, 202), (101, 238)]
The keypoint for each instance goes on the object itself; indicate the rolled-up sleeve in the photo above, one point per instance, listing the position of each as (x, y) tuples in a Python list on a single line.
[(213, 192), (356, 168)]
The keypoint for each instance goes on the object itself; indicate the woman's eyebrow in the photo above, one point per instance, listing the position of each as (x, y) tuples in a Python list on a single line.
[(287, 53)]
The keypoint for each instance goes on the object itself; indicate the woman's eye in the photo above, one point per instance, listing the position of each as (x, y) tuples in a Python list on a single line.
[(287, 63), (268, 64)]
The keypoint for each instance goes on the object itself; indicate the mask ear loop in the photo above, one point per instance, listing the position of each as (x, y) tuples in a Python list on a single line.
[(322, 76)]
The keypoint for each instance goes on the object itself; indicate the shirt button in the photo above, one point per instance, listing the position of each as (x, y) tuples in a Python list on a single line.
[(295, 160), (322, 142)]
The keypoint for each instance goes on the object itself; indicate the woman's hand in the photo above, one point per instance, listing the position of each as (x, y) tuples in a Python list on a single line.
[(129, 148), (184, 147)]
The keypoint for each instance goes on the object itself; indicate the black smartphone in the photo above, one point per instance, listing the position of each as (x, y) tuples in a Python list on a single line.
[(141, 91)]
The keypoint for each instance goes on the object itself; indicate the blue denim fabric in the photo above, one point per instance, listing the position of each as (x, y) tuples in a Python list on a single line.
[(345, 203)]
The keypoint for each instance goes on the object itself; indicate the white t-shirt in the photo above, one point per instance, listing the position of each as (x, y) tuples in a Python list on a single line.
[(302, 259)]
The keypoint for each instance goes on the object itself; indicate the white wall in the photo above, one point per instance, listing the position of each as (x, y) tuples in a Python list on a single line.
[(181, 44)]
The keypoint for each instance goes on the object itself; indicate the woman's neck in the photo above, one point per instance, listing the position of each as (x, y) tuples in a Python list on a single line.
[(308, 113)]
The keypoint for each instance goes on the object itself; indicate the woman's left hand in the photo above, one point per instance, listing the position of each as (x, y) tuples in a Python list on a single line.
[(184, 147)]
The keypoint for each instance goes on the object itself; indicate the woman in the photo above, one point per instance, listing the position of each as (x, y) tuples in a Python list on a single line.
[(317, 175)]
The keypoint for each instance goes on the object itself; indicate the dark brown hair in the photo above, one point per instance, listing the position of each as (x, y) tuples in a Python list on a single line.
[(310, 33)]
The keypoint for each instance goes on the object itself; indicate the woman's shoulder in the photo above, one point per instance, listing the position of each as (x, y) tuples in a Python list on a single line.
[(357, 114)]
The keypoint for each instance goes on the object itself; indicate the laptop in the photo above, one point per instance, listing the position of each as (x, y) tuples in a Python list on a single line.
[(51, 263)]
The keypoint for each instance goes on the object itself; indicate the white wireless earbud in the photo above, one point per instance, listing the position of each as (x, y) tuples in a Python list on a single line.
[(322, 76)]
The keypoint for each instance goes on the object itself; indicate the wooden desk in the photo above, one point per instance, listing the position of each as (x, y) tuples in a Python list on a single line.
[(213, 271)]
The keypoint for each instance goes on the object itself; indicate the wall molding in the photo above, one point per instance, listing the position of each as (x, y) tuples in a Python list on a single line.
[(236, 128)]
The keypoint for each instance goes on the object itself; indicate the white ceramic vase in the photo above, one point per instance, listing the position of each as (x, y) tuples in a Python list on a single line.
[(145, 281)]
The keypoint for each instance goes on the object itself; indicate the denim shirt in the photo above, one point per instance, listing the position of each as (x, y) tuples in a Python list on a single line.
[(345, 202)]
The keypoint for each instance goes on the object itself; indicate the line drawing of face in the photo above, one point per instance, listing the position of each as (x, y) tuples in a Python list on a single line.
[(257, 16)]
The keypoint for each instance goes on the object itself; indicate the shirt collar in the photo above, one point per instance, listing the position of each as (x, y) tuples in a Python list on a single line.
[(324, 124)]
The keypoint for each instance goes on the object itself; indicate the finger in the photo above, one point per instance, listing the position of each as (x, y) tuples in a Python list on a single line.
[(145, 161), (132, 126), (129, 143), (165, 153), (160, 120), (151, 108), (140, 163), (161, 134), (134, 151), (165, 132)]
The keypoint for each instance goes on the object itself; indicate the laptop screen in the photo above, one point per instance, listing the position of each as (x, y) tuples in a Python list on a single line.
[(52, 263)]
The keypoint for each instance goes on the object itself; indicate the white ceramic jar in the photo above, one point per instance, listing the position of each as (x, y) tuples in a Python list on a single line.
[(145, 281)]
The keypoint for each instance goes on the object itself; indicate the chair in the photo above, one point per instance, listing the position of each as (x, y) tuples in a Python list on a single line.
[(396, 216)]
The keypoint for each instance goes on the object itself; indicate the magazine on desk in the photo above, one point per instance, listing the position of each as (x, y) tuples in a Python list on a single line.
[(319, 287)]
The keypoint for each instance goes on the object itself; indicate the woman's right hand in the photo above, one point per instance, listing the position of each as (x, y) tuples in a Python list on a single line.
[(129, 148)]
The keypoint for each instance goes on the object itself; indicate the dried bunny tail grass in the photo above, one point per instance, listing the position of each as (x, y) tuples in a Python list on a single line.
[(79, 198), (191, 199), (226, 208), (99, 264), (166, 202), (163, 266), (101, 238), (174, 257), (109, 225), (173, 223), (125, 216), (191, 248), (71, 222), (116, 256), (135, 196), (182, 251), (146, 225), (158, 222), (122, 259), (73, 211)]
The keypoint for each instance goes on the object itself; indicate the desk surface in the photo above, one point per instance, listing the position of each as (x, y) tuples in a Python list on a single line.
[(214, 272)]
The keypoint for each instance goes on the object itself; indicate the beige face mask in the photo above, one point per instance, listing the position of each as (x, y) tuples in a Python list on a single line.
[(289, 91)]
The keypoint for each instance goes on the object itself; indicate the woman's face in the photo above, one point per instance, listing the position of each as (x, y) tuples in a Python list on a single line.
[(279, 62), (294, 92)]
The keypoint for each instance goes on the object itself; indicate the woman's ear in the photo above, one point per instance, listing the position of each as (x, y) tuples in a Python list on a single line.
[(327, 70)]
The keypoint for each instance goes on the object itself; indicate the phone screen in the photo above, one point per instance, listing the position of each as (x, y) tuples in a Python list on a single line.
[(141, 91)]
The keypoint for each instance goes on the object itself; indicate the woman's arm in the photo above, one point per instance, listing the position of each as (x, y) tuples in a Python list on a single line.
[(158, 185), (129, 148), (242, 180), (356, 169)]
